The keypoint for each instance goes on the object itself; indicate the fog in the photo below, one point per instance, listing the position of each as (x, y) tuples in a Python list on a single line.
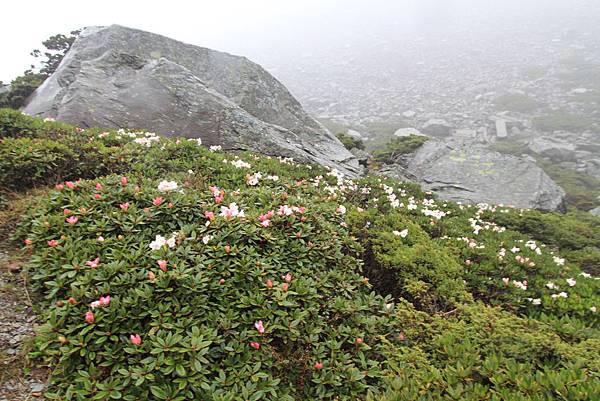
[(377, 60), (356, 62)]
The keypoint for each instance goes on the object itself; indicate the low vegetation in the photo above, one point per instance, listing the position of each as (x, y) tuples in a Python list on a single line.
[(560, 120), (350, 142), (398, 146), (516, 102), (174, 272)]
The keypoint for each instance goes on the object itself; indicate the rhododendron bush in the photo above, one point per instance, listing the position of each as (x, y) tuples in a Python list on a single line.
[(174, 271)]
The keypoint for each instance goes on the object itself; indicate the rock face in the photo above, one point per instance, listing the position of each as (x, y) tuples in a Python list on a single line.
[(401, 132), (464, 172), (118, 77), (552, 148), (437, 127)]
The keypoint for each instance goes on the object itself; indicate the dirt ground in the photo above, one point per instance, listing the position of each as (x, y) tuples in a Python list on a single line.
[(18, 379)]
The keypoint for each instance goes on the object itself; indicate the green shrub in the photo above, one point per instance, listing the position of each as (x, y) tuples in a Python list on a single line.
[(391, 294), (350, 142), (399, 146), (485, 353), (20, 89), (27, 162)]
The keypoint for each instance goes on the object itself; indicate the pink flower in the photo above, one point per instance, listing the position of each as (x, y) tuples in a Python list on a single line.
[(285, 210), (97, 196), (89, 317), (219, 199), (60, 187), (66, 212), (27, 242), (105, 301), (269, 283), (255, 345), (72, 220), (209, 215), (99, 186), (93, 263), (135, 339), (123, 181), (259, 327), (285, 287), (70, 184), (157, 201), (266, 216), (124, 206), (52, 243), (359, 341), (318, 365), (287, 278), (163, 265), (265, 223)]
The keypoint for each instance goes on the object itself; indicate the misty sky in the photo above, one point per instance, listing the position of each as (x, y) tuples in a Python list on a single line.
[(225, 24), (252, 28)]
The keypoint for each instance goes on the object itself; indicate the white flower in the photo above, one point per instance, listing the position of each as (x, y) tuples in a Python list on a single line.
[(160, 241), (593, 309), (551, 285), (167, 186), (522, 285), (341, 209), (402, 233), (559, 295), (559, 261), (585, 275), (147, 141), (231, 211), (505, 280), (171, 242), (206, 238), (571, 282), (253, 179), (536, 301), (240, 164), (215, 148), (515, 250), (197, 140)]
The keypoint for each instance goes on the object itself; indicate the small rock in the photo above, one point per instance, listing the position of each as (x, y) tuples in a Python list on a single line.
[(36, 387)]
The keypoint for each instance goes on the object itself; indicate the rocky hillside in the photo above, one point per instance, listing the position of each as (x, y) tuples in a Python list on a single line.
[(164, 269), (118, 77)]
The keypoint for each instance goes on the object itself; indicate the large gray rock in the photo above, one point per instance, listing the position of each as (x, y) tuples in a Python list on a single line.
[(437, 127), (555, 149), (118, 77), (464, 172), (595, 212)]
